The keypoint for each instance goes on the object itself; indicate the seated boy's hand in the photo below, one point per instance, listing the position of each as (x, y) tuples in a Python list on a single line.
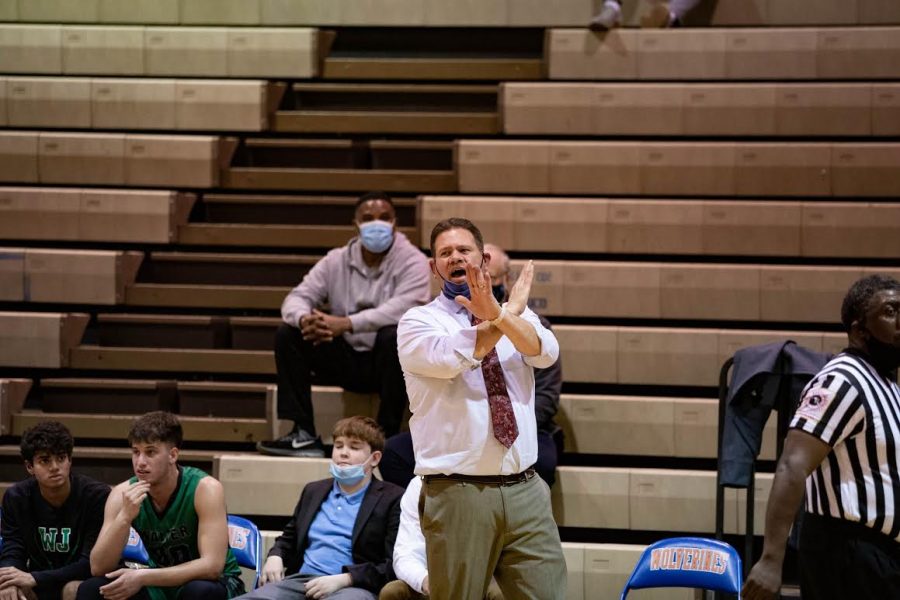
[(13, 577), (321, 587), (273, 570), (126, 583)]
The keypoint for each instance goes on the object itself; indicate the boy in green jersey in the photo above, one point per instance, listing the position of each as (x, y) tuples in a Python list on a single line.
[(179, 512)]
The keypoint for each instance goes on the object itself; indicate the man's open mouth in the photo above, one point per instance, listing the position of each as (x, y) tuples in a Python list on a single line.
[(460, 272)]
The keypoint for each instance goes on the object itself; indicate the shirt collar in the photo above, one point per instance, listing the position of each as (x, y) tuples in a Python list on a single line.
[(450, 305), (354, 498)]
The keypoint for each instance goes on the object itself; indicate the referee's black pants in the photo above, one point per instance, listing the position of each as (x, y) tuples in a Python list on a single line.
[(300, 364), (840, 560)]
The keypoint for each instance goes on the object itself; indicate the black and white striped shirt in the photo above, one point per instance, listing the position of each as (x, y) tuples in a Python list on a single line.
[(856, 411)]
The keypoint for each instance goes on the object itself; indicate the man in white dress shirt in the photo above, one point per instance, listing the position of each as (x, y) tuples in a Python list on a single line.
[(468, 364)]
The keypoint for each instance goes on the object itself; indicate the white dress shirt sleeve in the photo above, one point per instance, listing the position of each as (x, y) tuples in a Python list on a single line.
[(410, 562), (427, 349), (549, 346)]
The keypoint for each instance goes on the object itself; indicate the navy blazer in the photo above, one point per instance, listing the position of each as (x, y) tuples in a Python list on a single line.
[(374, 532)]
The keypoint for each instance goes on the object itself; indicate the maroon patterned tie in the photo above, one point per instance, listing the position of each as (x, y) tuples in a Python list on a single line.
[(503, 419)]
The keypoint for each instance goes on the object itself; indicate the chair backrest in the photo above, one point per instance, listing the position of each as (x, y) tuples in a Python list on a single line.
[(687, 562), (245, 542), (134, 550)]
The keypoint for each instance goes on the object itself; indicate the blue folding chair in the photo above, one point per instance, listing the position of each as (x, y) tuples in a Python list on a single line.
[(245, 542), (690, 562), (134, 550)]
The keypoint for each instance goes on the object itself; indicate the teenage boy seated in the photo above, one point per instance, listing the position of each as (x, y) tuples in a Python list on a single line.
[(179, 512), (50, 520), (340, 541)]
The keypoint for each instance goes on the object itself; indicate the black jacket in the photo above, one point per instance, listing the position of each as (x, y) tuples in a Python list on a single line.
[(374, 532)]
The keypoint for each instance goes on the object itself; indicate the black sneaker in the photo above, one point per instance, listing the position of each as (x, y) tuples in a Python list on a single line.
[(297, 443)]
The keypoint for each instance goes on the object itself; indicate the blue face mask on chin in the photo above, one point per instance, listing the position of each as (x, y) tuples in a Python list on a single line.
[(376, 236), (349, 475), (452, 290)]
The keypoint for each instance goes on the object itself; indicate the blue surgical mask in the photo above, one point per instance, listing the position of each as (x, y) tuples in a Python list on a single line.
[(452, 290), (376, 236), (349, 475)]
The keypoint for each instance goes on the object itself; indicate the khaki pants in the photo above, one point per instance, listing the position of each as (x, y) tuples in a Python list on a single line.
[(399, 590), (474, 530)]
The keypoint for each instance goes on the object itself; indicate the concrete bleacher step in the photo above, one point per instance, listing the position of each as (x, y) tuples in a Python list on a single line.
[(29, 339), (13, 393), (112, 159), (342, 165), (171, 104), (67, 276), (433, 13), (111, 465), (676, 500), (217, 280), (114, 426), (702, 109), (689, 169), (657, 226), (283, 221), (88, 214), (389, 108), (855, 53), (260, 52), (646, 426)]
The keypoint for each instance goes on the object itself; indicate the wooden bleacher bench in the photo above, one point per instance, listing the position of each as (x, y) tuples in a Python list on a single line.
[(12, 398), (341, 165), (106, 103), (112, 159), (699, 109), (389, 108), (29, 339), (85, 214), (409, 13), (691, 169), (825, 53), (268, 52), (666, 355), (696, 227), (175, 360), (98, 396), (115, 426), (167, 331), (646, 426), (217, 280), (283, 221)]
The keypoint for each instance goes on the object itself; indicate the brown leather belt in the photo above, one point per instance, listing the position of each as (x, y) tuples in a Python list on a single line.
[(484, 479)]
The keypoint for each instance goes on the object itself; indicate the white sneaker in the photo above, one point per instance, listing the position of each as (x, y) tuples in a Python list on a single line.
[(609, 17)]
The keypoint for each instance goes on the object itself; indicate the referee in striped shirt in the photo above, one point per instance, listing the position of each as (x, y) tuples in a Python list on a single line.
[(843, 450)]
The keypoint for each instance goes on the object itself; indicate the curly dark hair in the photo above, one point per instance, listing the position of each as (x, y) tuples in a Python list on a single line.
[(157, 426), (860, 294), (373, 196), (48, 436), (457, 223)]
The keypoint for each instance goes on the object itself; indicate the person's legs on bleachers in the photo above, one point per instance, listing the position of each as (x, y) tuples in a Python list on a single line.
[(200, 589), (398, 461), (390, 381), (668, 14), (296, 360), (609, 17)]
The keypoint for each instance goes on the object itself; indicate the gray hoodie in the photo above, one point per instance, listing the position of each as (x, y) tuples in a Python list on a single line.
[(372, 297)]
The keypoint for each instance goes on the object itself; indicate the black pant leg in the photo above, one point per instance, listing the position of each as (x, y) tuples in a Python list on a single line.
[(398, 461), (389, 380), (546, 460), (90, 590), (201, 589)]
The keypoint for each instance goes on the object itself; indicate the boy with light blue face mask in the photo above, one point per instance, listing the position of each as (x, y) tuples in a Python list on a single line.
[(340, 541)]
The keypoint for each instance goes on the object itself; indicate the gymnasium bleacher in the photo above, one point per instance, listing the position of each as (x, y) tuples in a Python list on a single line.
[(169, 169)]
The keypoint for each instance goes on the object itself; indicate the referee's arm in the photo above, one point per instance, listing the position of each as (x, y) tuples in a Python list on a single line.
[(802, 454)]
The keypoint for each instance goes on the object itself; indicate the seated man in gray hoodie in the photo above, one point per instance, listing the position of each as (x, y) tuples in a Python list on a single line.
[(368, 285)]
